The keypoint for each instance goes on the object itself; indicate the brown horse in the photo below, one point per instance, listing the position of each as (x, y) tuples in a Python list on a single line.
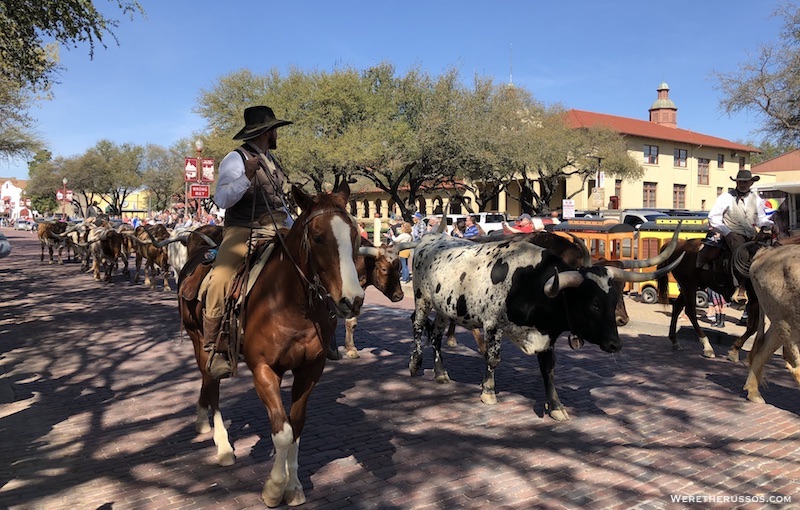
[(690, 278), (289, 318)]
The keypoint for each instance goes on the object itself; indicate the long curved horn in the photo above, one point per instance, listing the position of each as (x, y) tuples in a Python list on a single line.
[(558, 282), (658, 259), (442, 224), (634, 276), (405, 246), (369, 251), (131, 236), (170, 240), (204, 237), (587, 257)]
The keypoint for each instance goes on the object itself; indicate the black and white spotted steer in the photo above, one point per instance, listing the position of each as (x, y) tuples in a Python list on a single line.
[(515, 290)]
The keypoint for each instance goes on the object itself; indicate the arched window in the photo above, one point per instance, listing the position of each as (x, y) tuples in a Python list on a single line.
[(366, 208), (422, 206), (378, 206), (353, 208)]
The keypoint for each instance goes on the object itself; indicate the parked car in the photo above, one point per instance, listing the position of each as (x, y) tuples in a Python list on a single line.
[(635, 217), (24, 225), (490, 221)]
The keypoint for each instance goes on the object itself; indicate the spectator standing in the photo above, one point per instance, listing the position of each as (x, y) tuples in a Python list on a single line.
[(524, 225), (362, 230), (404, 237), (433, 225), (418, 230), (459, 228), (473, 230), (718, 302)]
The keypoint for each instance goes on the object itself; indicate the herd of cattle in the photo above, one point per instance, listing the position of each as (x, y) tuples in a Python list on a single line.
[(528, 288)]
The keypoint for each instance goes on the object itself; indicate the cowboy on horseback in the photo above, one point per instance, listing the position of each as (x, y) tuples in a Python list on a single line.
[(245, 200), (736, 217)]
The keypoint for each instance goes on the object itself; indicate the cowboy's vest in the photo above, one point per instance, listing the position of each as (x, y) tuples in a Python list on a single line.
[(241, 214), (742, 216)]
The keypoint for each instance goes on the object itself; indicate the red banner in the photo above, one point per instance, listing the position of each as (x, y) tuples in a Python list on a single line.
[(208, 170), (190, 170)]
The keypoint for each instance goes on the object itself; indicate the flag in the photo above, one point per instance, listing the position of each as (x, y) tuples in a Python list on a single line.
[(772, 204)]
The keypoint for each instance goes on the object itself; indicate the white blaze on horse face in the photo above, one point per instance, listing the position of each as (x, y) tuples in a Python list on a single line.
[(351, 288)]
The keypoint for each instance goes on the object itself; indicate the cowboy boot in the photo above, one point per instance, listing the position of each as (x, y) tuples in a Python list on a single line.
[(218, 367), (720, 320)]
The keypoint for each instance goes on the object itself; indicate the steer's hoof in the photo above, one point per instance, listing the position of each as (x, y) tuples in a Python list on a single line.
[(452, 342), (755, 397), (352, 353), (709, 353), (733, 355), (294, 497), (443, 378), (489, 398), (559, 414)]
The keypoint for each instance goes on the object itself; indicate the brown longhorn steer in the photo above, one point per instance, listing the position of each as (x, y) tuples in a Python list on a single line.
[(148, 246), (49, 233), (381, 268)]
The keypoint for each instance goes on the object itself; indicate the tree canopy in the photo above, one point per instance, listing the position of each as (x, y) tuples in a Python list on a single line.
[(406, 134), (768, 84)]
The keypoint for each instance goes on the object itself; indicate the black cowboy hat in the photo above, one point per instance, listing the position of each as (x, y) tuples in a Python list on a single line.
[(745, 175), (257, 120)]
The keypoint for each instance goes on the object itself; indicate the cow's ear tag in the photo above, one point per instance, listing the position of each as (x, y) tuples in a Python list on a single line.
[(211, 254), (575, 342)]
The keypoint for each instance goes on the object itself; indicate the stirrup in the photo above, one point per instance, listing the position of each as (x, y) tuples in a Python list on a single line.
[(219, 367)]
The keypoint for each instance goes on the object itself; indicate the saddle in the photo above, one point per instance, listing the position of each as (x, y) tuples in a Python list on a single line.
[(190, 288)]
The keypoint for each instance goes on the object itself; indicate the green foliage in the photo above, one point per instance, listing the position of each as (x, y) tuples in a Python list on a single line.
[(17, 136), (24, 57)]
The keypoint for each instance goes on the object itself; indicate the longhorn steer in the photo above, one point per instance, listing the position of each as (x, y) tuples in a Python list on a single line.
[(775, 274), (148, 246), (517, 290), (106, 246), (380, 268), (49, 233)]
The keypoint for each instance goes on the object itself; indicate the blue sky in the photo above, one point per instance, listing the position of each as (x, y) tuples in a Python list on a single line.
[(606, 56)]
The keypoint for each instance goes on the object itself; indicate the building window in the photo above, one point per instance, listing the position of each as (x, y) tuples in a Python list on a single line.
[(679, 196), (680, 158), (648, 194), (719, 190), (702, 171), (618, 190), (651, 154), (741, 162), (720, 160)]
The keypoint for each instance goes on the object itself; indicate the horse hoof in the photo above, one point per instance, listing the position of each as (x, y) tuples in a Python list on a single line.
[(333, 355), (709, 354), (733, 355), (226, 458), (489, 398), (452, 342), (272, 494), (352, 354), (443, 378), (755, 397), (559, 414), (294, 497)]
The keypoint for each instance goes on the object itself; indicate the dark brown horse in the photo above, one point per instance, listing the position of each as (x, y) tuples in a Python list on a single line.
[(690, 278), (289, 319)]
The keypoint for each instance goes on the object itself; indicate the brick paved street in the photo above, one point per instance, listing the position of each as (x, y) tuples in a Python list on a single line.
[(98, 391)]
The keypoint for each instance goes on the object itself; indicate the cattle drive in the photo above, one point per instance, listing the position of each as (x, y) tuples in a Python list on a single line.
[(287, 322), (517, 290)]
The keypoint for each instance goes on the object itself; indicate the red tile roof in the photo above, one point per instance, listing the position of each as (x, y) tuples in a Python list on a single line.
[(647, 129), (784, 163)]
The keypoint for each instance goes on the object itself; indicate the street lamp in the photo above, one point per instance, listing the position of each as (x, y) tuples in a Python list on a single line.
[(64, 202), (198, 144)]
